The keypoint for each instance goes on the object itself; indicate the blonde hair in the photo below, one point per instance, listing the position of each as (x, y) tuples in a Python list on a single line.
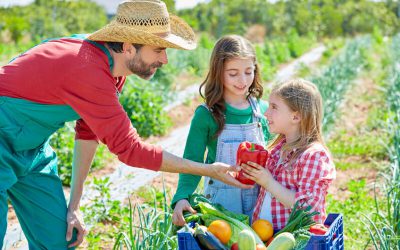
[(303, 97), (226, 48)]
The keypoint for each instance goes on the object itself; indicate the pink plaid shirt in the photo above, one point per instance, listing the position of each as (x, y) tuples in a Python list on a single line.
[(309, 176)]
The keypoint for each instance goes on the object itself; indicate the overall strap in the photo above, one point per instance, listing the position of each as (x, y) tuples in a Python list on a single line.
[(205, 105), (255, 107), (105, 50)]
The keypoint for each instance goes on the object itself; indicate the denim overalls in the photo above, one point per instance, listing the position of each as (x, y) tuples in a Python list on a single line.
[(28, 169), (232, 198)]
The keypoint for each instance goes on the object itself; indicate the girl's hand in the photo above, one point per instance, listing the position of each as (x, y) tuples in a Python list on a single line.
[(257, 173), (177, 217)]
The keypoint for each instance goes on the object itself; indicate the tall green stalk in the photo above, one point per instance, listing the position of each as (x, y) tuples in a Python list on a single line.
[(151, 231), (384, 226)]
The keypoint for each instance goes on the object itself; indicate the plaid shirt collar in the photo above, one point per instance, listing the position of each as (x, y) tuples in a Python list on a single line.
[(276, 152)]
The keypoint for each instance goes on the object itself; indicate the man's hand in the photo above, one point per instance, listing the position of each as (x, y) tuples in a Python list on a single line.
[(177, 217), (74, 220), (221, 171)]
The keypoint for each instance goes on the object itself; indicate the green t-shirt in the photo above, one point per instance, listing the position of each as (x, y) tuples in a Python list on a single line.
[(202, 136)]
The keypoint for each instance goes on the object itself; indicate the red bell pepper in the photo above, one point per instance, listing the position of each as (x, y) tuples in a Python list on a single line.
[(248, 151), (318, 229)]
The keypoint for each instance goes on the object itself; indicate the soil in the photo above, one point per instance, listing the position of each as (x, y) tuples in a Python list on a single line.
[(354, 115)]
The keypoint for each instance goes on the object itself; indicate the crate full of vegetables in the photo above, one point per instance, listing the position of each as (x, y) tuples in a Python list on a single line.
[(214, 227)]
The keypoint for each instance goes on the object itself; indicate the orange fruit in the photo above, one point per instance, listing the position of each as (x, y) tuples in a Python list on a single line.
[(263, 228), (221, 229)]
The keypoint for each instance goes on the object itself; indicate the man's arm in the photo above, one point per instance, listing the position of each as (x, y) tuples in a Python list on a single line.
[(220, 171), (84, 152)]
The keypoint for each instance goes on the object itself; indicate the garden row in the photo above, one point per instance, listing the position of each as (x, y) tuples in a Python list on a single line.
[(384, 223)]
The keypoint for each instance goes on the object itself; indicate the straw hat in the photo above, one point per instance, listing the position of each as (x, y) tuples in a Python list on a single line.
[(147, 22)]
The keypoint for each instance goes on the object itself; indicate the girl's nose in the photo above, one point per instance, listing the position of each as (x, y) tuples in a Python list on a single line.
[(266, 114), (242, 79)]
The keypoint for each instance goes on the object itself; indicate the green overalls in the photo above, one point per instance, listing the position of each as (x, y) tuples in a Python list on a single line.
[(28, 169)]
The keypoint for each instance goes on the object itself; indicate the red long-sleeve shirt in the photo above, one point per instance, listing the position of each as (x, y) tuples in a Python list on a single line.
[(76, 73)]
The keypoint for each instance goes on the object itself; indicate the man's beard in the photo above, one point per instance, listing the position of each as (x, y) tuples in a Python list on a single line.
[(141, 69)]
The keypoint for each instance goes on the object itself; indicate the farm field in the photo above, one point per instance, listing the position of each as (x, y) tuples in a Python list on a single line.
[(354, 63)]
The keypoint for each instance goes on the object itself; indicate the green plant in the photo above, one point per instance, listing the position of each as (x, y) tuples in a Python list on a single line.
[(63, 143), (299, 45), (103, 215), (148, 228), (144, 106), (102, 208), (52, 18), (384, 224), (355, 202), (337, 77), (267, 70)]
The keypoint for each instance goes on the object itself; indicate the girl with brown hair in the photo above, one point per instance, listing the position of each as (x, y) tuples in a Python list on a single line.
[(231, 114)]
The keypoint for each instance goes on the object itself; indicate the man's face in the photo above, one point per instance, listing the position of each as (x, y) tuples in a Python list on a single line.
[(147, 60)]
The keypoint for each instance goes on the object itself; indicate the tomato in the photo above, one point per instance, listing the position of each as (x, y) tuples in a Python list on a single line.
[(235, 246), (269, 240)]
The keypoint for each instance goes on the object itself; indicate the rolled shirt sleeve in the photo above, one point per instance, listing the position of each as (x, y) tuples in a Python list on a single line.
[(83, 132)]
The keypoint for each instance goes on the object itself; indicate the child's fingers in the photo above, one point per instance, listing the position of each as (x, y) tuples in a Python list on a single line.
[(254, 165), (250, 171), (249, 176), (247, 168)]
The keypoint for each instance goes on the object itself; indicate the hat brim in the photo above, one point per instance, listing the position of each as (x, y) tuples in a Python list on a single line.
[(180, 37)]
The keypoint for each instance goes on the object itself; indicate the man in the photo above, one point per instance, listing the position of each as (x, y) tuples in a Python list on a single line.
[(79, 79)]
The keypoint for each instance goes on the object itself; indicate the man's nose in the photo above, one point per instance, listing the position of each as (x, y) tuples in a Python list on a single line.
[(164, 57)]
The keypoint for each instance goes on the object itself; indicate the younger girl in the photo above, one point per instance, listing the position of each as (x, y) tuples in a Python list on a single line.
[(232, 113), (300, 167)]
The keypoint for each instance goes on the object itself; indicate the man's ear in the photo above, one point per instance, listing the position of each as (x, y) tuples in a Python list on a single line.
[(128, 48)]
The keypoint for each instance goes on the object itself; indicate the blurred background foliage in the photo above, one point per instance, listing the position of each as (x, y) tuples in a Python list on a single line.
[(255, 19)]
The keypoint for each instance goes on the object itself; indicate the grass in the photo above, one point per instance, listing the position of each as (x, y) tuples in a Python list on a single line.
[(357, 201), (366, 148), (384, 223), (151, 195)]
